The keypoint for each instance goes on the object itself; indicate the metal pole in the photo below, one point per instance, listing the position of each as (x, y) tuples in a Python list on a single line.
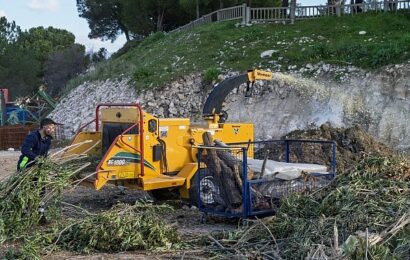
[(2, 109), (287, 151), (245, 185)]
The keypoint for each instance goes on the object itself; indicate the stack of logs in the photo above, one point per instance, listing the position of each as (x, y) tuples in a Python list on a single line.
[(227, 173)]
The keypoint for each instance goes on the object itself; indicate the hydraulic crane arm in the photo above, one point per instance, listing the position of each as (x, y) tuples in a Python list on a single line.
[(214, 102)]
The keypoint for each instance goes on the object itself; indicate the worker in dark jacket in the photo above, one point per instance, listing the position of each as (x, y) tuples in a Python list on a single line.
[(37, 143)]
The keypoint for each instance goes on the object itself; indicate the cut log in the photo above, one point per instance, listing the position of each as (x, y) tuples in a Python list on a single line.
[(234, 195), (225, 177), (235, 166), (207, 138)]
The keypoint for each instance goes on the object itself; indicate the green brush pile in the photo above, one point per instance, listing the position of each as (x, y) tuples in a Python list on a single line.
[(122, 228), (25, 194), (366, 213)]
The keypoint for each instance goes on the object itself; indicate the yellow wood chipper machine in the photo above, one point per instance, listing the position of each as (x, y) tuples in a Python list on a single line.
[(141, 151)]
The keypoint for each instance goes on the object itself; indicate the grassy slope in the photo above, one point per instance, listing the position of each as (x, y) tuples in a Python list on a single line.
[(221, 46)]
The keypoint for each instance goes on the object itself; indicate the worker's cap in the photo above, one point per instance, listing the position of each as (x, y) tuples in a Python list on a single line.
[(47, 121)]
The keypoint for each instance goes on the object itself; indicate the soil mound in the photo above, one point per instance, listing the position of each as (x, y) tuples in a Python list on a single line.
[(351, 143)]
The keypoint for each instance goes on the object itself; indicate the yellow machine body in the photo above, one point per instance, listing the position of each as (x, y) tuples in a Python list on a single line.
[(168, 145), (121, 162)]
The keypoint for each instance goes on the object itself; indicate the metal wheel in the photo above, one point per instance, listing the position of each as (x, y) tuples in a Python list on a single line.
[(207, 192)]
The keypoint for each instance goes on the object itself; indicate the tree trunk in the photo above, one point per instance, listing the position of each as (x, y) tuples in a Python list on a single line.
[(160, 20), (221, 4), (292, 11), (127, 35), (125, 31), (197, 9)]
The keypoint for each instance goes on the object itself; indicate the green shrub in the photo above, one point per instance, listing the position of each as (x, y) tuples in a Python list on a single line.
[(142, 73), (406, 39), (152, 38), (128, 46), (211, 74)]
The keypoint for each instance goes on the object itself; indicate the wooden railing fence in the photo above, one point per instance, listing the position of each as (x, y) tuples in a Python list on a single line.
[(292, 13)]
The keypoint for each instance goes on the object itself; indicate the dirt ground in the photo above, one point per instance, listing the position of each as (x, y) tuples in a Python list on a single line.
[(187, 219), (8, 162)]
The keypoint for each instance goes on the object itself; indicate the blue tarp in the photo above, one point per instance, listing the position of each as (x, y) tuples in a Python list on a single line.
[(16, 115)]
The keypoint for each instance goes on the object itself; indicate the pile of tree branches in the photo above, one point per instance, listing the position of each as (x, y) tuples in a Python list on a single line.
[(365, 214), (26, 197), (122, 228)]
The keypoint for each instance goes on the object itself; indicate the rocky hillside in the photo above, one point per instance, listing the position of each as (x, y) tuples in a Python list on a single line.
[(343, 71), (378, 101)]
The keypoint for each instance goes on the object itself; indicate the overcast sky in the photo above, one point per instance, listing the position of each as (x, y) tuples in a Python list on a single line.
[(63, 14)]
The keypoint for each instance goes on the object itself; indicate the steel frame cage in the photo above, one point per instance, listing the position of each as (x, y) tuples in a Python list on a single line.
[(244, 147)]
